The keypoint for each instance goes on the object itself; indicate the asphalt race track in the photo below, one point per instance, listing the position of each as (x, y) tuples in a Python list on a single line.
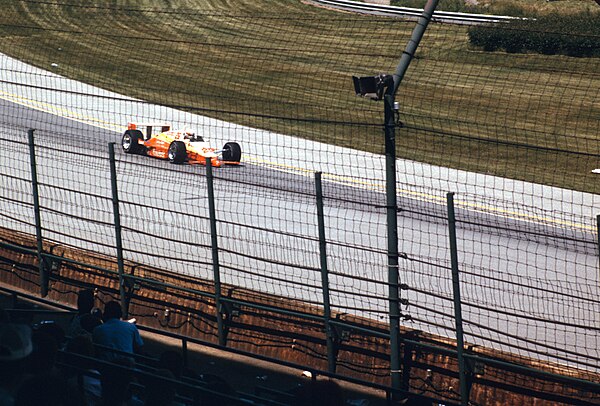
[(513, 267)]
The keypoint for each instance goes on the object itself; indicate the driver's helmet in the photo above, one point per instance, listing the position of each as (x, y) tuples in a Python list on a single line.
[(189, 135)]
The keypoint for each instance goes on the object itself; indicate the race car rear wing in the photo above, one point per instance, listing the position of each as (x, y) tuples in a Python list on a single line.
[(146, 128)]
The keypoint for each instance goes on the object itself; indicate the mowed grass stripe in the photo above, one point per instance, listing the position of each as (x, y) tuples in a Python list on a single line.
[(286, 66)]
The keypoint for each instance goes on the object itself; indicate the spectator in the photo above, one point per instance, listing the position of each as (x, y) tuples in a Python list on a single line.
[(15, 347), (116, 334), (88, 323), (47, 338), (85, 304), (45, 351), (87, 380)]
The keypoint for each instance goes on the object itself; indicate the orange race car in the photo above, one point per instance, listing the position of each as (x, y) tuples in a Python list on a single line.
[(177, 146)]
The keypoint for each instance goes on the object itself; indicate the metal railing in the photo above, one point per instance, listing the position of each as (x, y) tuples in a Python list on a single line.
[(47, 259), (408, 12), (185, 341)]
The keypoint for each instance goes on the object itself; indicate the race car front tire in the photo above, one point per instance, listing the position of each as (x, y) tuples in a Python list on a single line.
[(232, 152), (177, 152), (131, 142)]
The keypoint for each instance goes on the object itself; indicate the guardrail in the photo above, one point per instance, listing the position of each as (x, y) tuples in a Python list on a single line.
[(348, 335), (184, 348), (440, 16)]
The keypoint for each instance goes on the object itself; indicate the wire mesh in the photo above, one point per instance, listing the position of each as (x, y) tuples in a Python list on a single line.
[(514, 134), (16, 196)]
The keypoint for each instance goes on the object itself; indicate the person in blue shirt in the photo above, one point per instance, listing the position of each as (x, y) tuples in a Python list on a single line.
[(116, 334)]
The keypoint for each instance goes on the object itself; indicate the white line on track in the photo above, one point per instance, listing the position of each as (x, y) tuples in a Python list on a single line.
[(50, 92)]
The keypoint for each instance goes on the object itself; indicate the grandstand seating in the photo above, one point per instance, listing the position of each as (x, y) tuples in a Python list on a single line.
[(145, 372)]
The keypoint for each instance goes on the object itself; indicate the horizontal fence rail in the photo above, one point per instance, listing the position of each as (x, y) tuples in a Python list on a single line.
[(296, 234), (344, 299)]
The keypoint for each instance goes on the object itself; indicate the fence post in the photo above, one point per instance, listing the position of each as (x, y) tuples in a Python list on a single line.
[(391, 199), (117, 221), (215, 251), (392, 241), (331, 353), (462, 373), (42, 268)]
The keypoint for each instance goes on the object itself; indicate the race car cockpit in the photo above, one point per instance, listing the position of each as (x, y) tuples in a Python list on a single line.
[(189, 135)]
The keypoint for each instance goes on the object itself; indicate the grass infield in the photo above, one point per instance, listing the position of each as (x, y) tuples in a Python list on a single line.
[(286, 66)]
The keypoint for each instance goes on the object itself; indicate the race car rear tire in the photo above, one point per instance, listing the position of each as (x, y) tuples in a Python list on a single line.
[(131, 142), (232, 152), (177, 152)]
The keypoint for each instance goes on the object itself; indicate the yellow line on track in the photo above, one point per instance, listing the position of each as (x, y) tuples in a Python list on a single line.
[(59, 111), (339, 179), (487, 209)]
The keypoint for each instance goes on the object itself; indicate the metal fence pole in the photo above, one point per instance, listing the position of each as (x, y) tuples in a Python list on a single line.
[(331, 356), (391, 199), (392, 242), (215, 251), (42, 268), (117, 222), (464, 395)]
